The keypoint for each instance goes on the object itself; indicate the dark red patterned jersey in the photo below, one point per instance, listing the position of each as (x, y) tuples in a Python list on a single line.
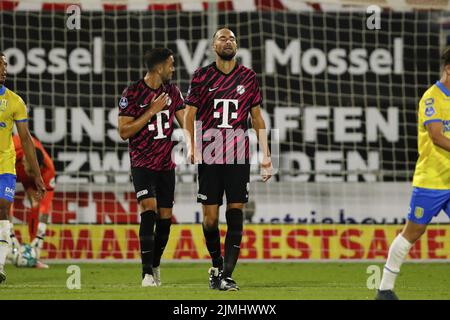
[(224, 102), (151, 147)]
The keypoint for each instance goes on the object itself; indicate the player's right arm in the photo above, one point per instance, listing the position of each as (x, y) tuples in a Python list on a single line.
[(436, 133), (129, 126), (189, 124), (30, 154)]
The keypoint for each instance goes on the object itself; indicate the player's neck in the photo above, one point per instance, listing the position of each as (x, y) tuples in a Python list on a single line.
[(152, 81), (225, 66)]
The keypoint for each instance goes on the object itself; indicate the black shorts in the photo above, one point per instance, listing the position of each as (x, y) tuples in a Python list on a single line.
[(216, 179), (154, 184)]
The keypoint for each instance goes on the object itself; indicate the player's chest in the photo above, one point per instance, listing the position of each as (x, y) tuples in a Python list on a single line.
[(144, 101), (6, 112), (226, 89)]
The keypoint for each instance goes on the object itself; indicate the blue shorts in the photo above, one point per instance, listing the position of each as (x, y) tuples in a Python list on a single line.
[(427, 203), (7, 186)]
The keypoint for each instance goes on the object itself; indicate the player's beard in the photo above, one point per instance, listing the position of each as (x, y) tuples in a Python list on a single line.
[(166, 80), (226, 56)]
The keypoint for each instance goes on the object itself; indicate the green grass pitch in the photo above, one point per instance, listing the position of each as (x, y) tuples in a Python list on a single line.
[(258, 281)]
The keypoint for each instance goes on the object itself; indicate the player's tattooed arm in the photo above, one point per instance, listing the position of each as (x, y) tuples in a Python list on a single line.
[(436, 133), (129, 126), (259, 126)]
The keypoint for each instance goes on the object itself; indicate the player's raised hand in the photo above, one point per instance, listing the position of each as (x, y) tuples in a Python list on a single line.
[(40, 187), (159, 102), (266, 169)]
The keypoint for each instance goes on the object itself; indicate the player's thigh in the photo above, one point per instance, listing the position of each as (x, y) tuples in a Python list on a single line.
[(144, 181), (426, 204), (237, 183), (7, 192), (165, 192), (447, 205), (210, 184)]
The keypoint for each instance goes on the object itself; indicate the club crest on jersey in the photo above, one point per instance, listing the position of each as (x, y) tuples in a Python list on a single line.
[(123, 102), (3, 104), (169, 101), (429, 107), (240, 89), (429, 111)]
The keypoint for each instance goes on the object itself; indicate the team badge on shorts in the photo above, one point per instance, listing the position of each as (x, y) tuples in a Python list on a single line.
[(418, 212)]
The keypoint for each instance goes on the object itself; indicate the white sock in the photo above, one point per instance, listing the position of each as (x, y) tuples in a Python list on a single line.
[(42, 227), (14, 242), (397, 253), (38, 242), (4, 242)]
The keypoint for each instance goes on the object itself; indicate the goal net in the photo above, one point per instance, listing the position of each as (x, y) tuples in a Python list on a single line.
[(341, 85)]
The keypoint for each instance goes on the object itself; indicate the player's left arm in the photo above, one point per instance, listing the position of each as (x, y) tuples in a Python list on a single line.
[(436, 133), (30, 154), (261, 133)]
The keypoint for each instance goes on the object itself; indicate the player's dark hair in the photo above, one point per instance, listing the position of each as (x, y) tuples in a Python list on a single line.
[(2, 54), (156, 56), (40, 157), (445, 57), (215, 33)]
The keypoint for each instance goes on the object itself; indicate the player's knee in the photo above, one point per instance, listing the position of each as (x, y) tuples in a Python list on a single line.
[(235, 219), (412, 234), (165, 213), (210, 222), (4, 210), (148, 205)]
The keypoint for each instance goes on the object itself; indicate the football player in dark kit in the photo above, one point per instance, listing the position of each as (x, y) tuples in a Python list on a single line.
[(146, 114), (220, 98)]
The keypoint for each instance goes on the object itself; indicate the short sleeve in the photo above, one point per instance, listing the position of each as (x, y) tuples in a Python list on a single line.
[(256, 96), (193, 97), (178, 99), (127, 103), (429, 110), (20, 113)]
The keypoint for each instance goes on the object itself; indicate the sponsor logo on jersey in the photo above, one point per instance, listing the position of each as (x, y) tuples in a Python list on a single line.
[(142, 193), (429, 102), (418, 213), (2, 125), (123, 102)]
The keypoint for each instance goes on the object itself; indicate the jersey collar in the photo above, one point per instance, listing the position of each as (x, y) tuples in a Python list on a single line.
[(444, 90), (226, 74), (2, 90)]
